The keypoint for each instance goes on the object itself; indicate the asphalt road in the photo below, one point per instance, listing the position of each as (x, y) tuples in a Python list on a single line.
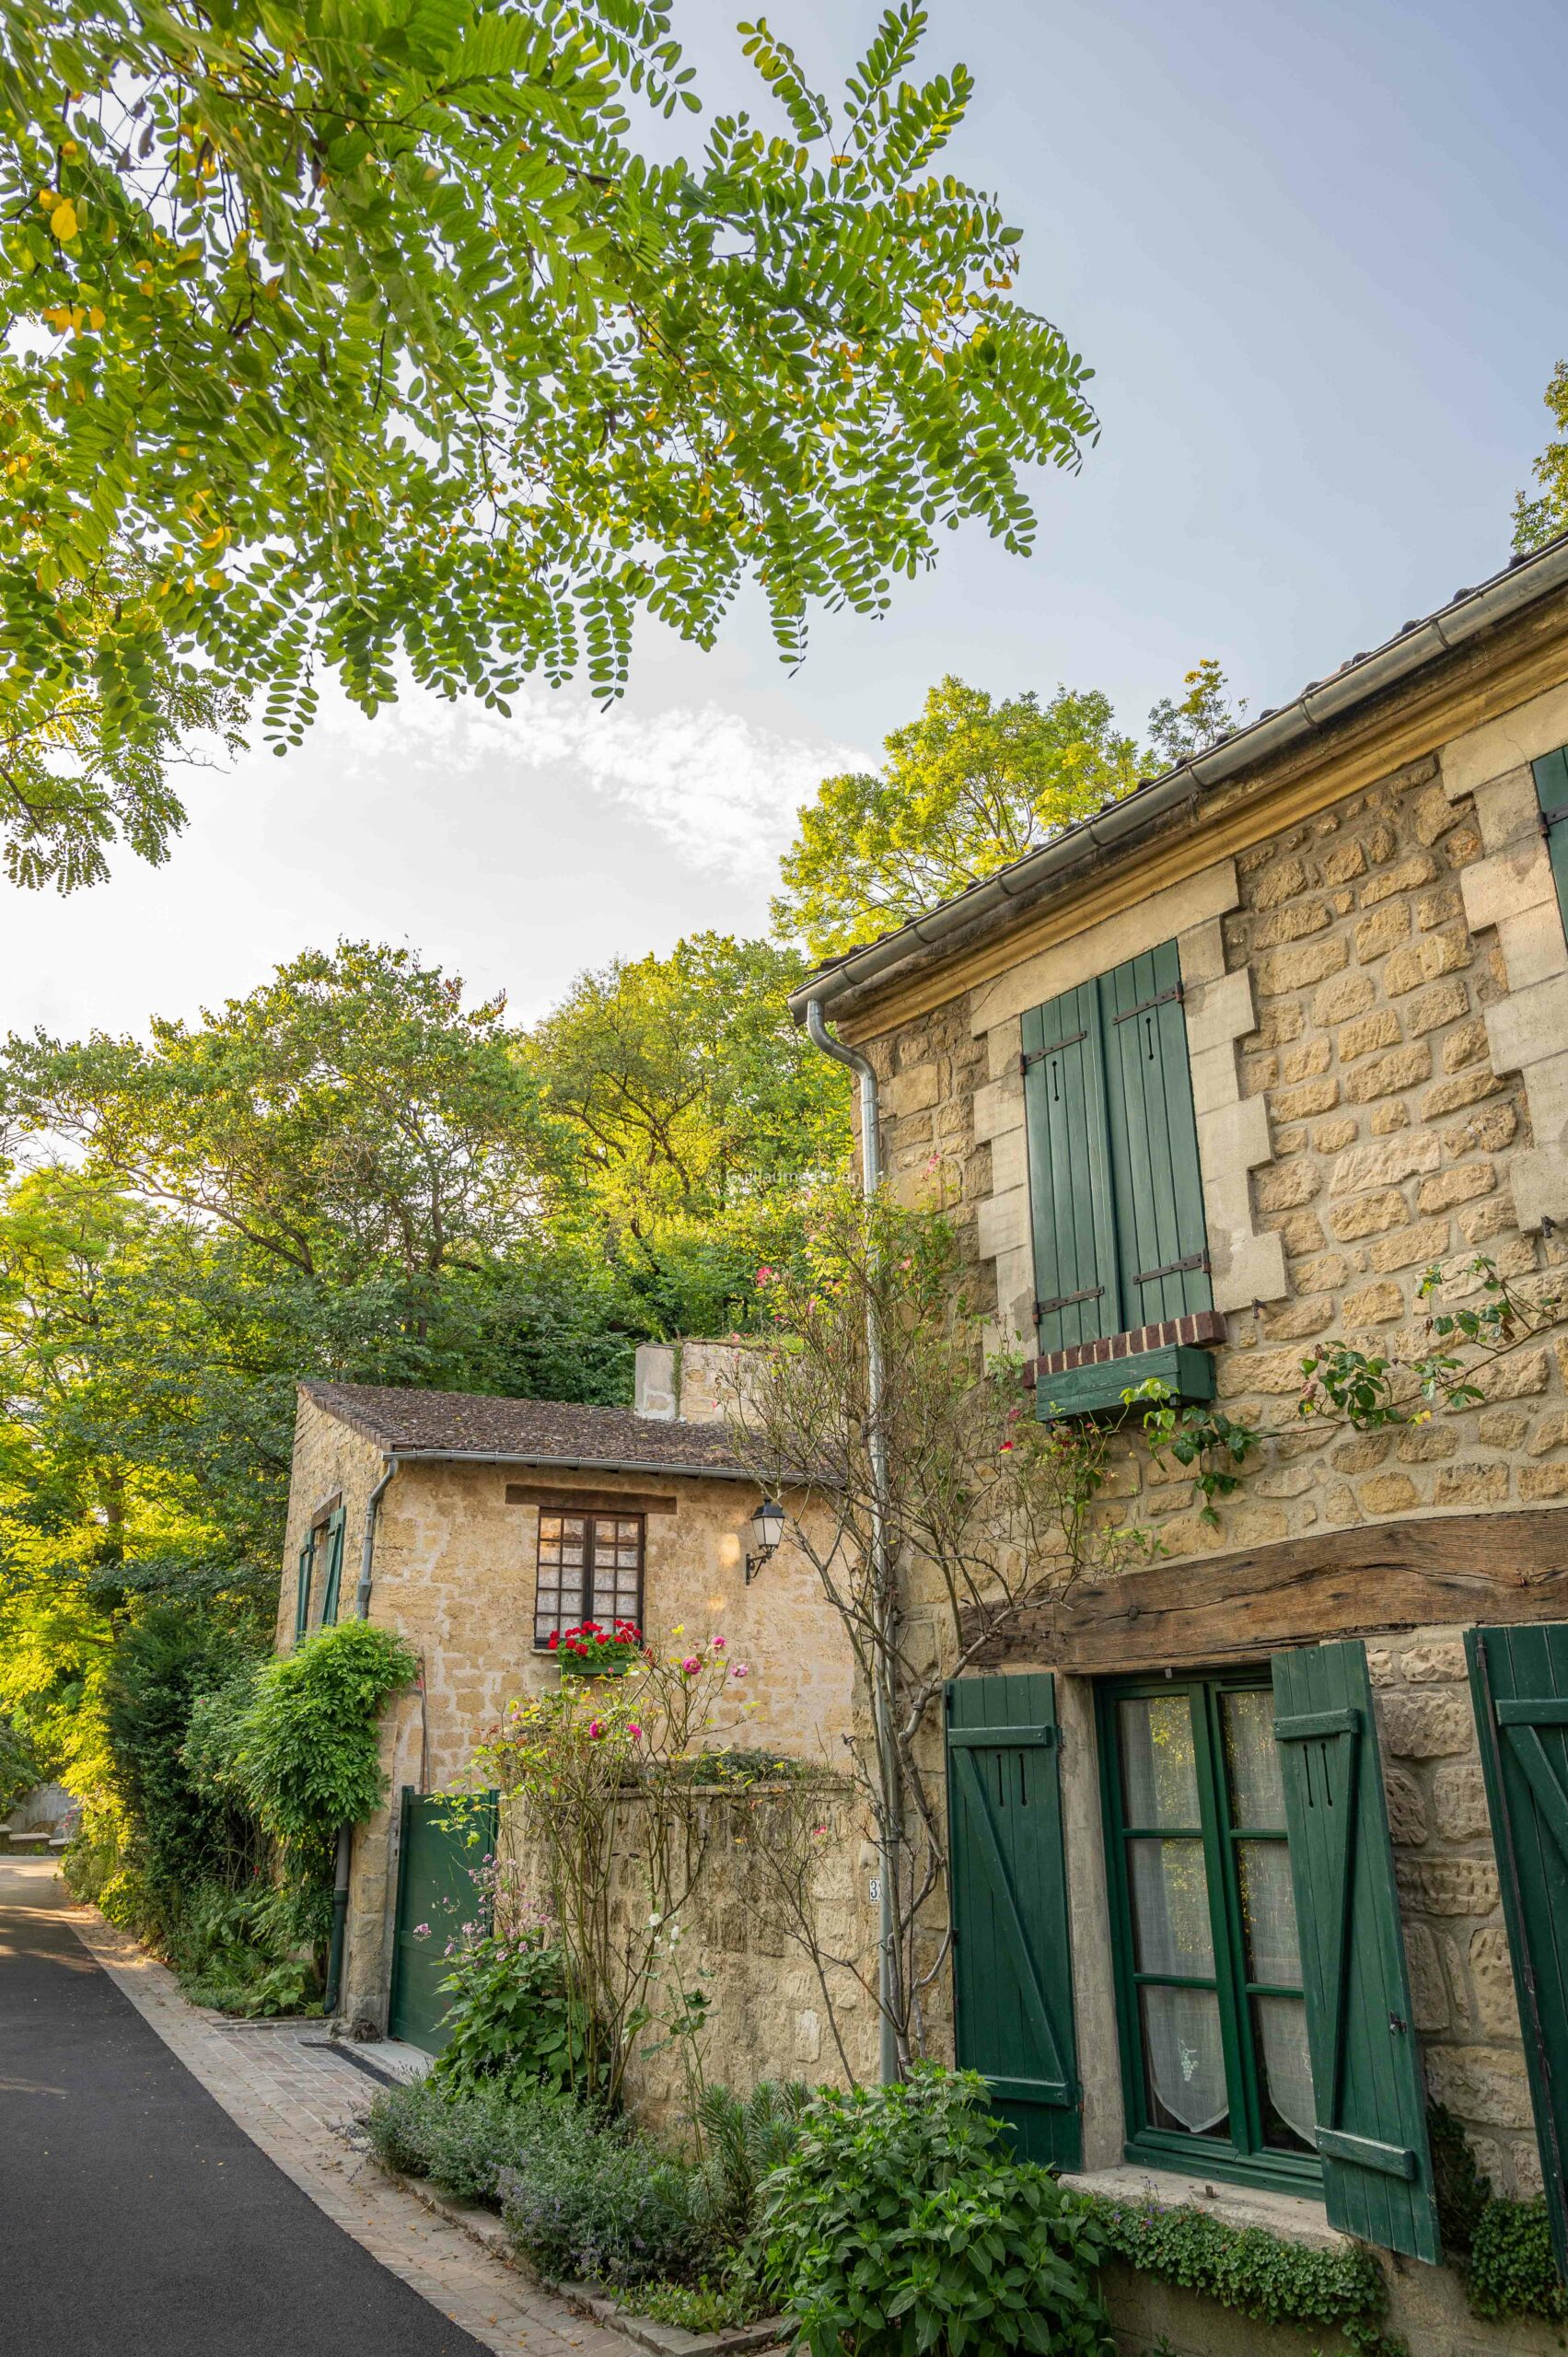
[(136, 2220)]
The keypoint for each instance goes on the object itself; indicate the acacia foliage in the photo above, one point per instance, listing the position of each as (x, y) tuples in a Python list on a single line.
[(350, 333), (1541, 517)]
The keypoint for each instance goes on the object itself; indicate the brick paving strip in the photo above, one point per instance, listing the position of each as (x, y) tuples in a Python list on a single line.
[(293, 2099)]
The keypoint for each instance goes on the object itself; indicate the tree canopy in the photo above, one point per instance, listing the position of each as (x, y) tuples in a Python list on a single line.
[(1539, 520), (970, 786), (348, 339)]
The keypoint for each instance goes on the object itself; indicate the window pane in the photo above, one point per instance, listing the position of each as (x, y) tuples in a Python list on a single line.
[(1170, 1909), (1268, 1913), (1184, 2061), (1257, 1794), (1284, 2074), (1159, 1770)]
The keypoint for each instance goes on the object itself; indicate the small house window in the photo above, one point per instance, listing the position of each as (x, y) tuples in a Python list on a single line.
[(1551, 774), (590, 1568), (1116, 1198), (1214, 2029)]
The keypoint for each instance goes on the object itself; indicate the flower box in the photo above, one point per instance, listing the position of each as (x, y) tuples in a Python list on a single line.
[(591, 1651)]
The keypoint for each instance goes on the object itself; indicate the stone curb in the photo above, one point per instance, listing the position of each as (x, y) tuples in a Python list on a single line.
[(484, 2227)]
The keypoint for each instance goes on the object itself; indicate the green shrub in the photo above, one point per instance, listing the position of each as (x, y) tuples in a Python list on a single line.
[(461, 2139), (1259, 2274), (705, 2305), (512, 2021), (901, 2223), (600, 2204), (164, 1663), (1462, 2188), (1510, 2270), (239, 1950), (19, 1768), (302, 1746), (745, 2138)]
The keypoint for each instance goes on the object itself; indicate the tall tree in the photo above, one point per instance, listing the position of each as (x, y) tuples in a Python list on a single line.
[(1540, 519), (341, 337), (690, 1110), (969, 786)]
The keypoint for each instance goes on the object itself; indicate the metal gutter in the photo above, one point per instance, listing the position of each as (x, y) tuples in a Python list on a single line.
[(572, 1464), (1326, 701)]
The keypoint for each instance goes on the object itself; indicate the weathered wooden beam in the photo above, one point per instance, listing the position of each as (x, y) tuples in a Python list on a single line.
[(1380, 1575)]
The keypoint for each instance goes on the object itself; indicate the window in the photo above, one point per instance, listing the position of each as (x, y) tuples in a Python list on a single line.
[(590, 1568), (302, 1589), (1214, 2030), (1120, 1250)]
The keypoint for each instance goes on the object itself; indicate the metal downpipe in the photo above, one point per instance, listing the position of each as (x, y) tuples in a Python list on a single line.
[(881, 1696), (334, 1991)]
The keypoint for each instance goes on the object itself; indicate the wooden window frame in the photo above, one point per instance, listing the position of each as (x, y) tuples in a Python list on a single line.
[(590, 1518), (1241, 2157)]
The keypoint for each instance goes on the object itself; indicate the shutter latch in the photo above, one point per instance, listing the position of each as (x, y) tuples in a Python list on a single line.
[(1397, 2025), (1066, 1301)]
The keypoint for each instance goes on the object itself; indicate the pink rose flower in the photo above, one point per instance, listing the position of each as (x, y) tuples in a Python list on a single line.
[(719, 1643), (690, 1665), (740, 1670), (636, 1732), (595, 1728)]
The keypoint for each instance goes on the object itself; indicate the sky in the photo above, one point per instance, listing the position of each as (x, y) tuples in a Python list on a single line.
[(1316, 254)]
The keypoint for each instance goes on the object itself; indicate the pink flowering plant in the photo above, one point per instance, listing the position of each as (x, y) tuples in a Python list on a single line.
[(604, 1832)]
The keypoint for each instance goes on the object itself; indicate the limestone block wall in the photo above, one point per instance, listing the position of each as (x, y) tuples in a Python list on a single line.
[(1395, 1141), (1456, 1948), (768, 2017)]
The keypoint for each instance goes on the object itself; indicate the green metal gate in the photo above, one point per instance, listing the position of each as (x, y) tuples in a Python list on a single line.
[(443, 1843)]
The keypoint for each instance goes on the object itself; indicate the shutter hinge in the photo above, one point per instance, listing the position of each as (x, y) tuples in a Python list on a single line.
[(1033, 1055), (1173, 1269), (1550, 818), (1160, 999), (1066, 1301)]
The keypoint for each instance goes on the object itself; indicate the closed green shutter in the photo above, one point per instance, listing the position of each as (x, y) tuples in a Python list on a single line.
[(1552, 792), (302, 1589), (1074, 1243), (334, 1567), (1161, 1239), (1519, 1679), (1012, 1971), (1368, 2095)]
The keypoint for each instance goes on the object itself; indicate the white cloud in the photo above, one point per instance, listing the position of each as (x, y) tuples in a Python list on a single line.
[(718, 787)]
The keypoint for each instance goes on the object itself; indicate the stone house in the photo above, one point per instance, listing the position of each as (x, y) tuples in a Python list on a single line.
[(1264, 1843), (483, 1526)]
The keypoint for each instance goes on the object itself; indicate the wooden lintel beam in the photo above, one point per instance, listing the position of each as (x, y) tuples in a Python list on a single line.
[(1376, 1577)]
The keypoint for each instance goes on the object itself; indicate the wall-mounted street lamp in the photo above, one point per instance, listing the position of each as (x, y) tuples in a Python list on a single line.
[(765, 1528)]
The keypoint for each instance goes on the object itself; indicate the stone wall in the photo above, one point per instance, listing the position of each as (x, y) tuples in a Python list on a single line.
[(454, 1573), (770, 2015)]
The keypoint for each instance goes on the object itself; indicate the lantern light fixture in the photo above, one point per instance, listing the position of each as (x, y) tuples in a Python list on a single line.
[(766, 1528)]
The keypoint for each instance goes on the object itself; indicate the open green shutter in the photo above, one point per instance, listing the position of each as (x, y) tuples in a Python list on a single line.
[(1519, 1679), (302, 1589), (1366, 2077), (1012, 1971), (334, 1567), (1161, 1237), (1552, 792), (1074, 1246)]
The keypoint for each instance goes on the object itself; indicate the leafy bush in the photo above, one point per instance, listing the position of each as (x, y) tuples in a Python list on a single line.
[(240, 1949), (164, 1661), (704, 2307), (1259, 2274), (598, 2203), (745, 2138), (582, 2195), (461, 2139), (302, 1746), (901, 2223), (512, 2020), (1510, 2270), (20, 1770)]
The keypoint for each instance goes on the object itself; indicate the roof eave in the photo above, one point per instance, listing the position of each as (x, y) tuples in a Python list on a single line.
[(985, 907)]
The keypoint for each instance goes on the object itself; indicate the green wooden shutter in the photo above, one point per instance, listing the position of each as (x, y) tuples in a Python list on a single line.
[(1519, 1679), (334, 1567), (1074, 1243), (302, 1590), (1552, 792), (1012, 1971), (1369, 2099), (1161, 1238)]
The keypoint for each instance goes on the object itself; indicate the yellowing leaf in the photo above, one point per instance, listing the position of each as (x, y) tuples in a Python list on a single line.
[(62, 220)]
